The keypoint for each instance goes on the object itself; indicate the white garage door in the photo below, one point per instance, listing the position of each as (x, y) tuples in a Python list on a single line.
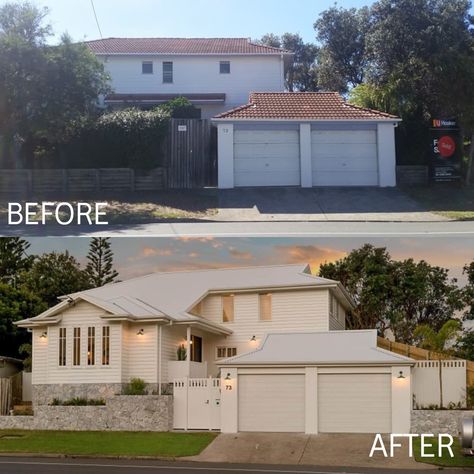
[(266, 158), (354, 403), (344, 158), (271, 403)]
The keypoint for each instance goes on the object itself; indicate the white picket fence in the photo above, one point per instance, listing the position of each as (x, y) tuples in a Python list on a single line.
[(426, 386), (196, 404)]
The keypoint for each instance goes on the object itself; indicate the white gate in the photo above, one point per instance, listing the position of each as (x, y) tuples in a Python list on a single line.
[(196, 404)]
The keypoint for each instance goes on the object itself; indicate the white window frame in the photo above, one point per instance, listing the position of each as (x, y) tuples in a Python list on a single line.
[(261, 297), (62, 347), (152, 67), (222, 63), (168, 74)]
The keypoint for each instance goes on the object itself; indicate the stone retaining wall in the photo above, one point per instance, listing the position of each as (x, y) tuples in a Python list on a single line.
[(121, 413), (438, 421), (44, 394)]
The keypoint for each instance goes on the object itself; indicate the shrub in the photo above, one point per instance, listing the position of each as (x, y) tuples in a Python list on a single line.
[(470, 397), (136, 386), (129, 138), (78, 401), (181, 352), (181, 107)]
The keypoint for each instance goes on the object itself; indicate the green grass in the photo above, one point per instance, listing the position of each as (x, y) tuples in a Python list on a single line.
[(459, 460), (106, 443), (449, 200)]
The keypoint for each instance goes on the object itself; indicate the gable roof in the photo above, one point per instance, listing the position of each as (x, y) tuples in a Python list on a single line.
[(172, 295), (332, 347), (184, 46), (301, 106)]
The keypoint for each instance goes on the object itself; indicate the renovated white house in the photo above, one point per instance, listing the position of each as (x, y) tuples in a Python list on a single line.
[(305, 139), (215, 74), (273, 339)]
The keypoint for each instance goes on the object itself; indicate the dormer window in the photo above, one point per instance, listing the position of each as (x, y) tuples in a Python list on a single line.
[(224, 67), (147, 67)]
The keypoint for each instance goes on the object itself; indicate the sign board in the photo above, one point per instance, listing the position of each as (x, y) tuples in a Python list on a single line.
[(446, 150), (182, 128)]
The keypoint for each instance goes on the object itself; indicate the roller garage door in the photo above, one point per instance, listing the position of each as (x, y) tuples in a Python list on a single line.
[(272, 403), (266, 158), (344, 157), (354, 403)]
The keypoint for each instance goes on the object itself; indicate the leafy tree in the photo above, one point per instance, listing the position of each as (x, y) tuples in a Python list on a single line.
[(437, 341), (55, 274), (26, 351), (469, 290), (16, 304), (301, 74), (43, 89), (342, 62), (100, 266), (13, 258), (464, 346), (394, 295)]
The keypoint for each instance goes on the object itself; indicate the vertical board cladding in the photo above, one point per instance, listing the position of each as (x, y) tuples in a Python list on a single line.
[(46, 369), (292, 311), (338, 323), (142, 352)]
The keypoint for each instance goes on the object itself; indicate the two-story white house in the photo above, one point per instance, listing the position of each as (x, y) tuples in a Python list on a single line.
[(215, 74), (277, 332)]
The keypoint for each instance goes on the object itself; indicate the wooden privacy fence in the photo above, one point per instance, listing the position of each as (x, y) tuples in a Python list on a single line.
[(424, 354), (6, 396), (43, 181)]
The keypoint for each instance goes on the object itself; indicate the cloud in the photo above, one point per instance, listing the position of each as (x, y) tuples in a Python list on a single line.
[(311, 254)]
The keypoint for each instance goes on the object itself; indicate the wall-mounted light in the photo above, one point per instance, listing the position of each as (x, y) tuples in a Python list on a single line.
[(140, 332), (227, 377), (253, 339), (228, 382), (400, 375), (44, 335)]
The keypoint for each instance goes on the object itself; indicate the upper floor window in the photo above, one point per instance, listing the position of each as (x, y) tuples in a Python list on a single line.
[(147, 67), (106, 345), (224, 67), (333, 307), (228, 308), (62, 346), (167, 72), (91, 346), (265, 303), (76, 352)]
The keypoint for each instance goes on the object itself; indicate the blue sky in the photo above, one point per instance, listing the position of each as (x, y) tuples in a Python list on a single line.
[(188, 18)]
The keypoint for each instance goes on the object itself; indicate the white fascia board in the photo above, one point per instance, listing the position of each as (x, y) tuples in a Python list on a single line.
[(349, 363), (206, 325), (195, 54)]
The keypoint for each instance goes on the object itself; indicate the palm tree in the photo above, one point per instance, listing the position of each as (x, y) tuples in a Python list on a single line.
[(438, 341)]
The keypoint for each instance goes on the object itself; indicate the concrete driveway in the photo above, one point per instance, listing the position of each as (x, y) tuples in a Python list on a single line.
[(320, 204), (341, 450)]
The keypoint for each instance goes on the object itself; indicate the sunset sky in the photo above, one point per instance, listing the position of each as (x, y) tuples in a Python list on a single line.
[(139, 256)]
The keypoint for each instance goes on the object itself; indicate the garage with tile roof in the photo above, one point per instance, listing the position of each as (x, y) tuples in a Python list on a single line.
[(305, 139)]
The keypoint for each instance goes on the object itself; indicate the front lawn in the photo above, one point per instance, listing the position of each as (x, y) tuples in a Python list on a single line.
[(450, 200), (107, 443), (459, 460)]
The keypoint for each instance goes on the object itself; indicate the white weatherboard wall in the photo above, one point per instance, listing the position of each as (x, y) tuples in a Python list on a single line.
[(426, 384), (46, 369)]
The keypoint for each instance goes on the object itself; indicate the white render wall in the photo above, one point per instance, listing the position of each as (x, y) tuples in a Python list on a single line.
[(198, 74)]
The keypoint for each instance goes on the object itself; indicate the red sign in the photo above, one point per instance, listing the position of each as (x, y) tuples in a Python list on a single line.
[(446, 146)]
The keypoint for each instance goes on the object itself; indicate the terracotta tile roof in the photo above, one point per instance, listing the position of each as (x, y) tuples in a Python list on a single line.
[(302, 105), (179, 46)]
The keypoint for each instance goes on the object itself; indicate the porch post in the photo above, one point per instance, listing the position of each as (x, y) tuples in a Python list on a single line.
[(188, 350)]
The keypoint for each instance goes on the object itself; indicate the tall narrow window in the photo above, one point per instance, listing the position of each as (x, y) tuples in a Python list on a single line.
[(167, 71), (106, 345), (76, 360), (90, 346), (228, 308), (265, 303), (62, 346)]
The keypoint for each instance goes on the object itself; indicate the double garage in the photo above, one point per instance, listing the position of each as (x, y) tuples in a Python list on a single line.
[(298, 145), (328, 382)]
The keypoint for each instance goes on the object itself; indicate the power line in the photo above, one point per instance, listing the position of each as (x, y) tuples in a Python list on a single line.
[(96, 19)]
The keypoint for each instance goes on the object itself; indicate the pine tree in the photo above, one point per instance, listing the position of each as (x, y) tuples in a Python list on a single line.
[(100, 264)]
